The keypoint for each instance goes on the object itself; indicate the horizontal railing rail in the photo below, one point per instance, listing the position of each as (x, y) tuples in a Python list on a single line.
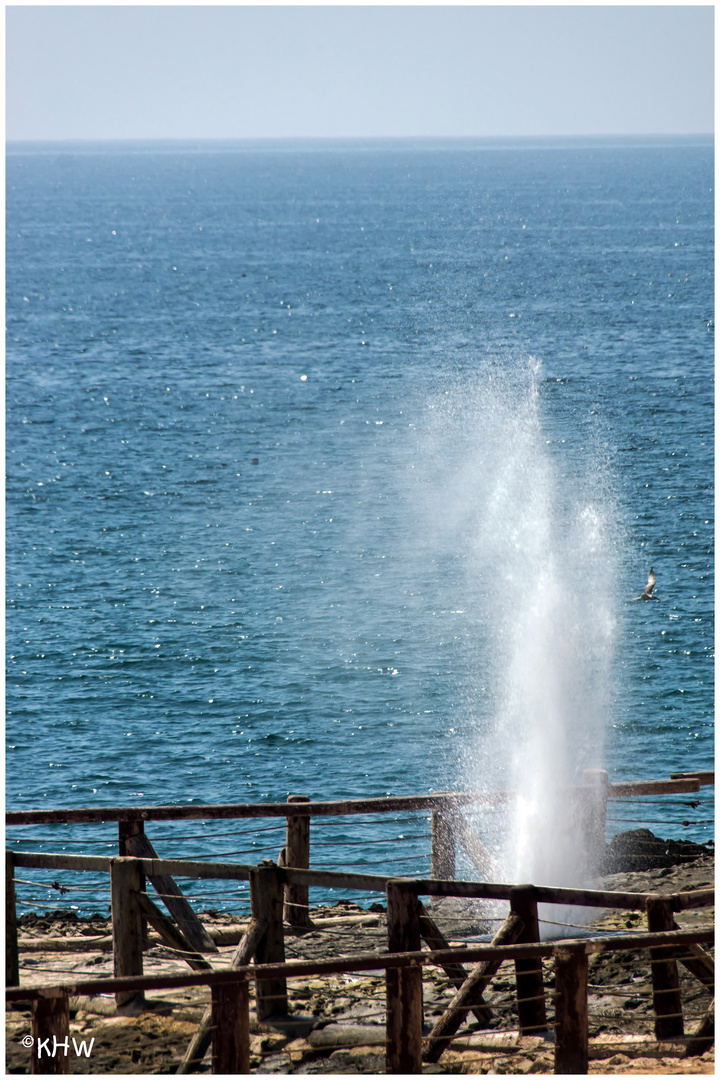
[(477, 890), (361, 962), (682, 784)]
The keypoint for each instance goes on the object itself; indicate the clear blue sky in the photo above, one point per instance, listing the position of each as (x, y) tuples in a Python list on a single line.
[(126, 72)]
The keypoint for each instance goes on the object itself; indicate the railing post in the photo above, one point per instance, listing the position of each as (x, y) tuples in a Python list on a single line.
[(126, 831), (12, 961), (297, 854), (595, 784), (442, 844), (667, 1001), (571, 1010), (403, 986), (50, 1027), (247, 947), (528, 973), (266, 906), (126, 883), (231, 1028)]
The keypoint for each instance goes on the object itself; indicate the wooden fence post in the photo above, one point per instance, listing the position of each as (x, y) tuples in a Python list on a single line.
[(528, 973), (297, 854), (231, 1028), (595, 783), (266, 906), (202, 1038), (571, 1010), (126, 831), (442, 844), (403, 986), (12, 961), (667, 1001), (50, 1028), (126, 883)]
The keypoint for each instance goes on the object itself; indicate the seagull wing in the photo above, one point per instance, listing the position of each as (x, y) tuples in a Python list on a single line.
[(647, 591)]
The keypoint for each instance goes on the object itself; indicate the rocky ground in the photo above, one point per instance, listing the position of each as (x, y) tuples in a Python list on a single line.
[(337, 1022)]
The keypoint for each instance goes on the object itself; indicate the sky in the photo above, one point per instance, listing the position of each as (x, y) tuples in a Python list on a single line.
[(247, 72)]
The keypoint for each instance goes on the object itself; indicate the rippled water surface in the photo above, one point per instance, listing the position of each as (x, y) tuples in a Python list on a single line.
[(293, 433)]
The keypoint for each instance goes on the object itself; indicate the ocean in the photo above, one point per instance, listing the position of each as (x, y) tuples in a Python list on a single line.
[(333, 469)]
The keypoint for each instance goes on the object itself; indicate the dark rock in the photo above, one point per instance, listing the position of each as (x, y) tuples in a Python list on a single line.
[(640, 849)]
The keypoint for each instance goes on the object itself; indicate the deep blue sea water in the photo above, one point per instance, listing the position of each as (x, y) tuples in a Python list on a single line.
[(261, 401)]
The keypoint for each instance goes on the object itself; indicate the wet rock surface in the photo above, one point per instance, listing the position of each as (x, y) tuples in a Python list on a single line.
[(640, 849)]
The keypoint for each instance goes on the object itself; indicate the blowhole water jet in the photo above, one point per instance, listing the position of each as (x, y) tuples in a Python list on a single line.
[(529, 513)]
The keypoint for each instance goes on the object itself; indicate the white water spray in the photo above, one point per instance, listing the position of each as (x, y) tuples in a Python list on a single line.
[(531, 519)]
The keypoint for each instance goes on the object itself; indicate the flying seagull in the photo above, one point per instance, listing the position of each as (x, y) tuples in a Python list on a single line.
[(647, 593)]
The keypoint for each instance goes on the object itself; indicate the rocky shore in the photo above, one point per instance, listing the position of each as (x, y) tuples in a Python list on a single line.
[(337, 1022)]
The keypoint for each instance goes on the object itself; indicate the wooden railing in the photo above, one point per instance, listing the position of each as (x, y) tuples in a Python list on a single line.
[(449, 828), (679, 783), (281, 891), (408, 924), (229, 1022)]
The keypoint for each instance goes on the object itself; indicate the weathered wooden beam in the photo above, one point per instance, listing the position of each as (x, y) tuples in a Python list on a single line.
[(528, 973), (103, 943), (472, 845), (470, 993), (297, 854), (698, 898), (698, 962), (594, 819), (231, 1029), (363, 962), (704, 777), (486, 890), (171, 935), (334, 879), (442, 844), (653, 787), (331, 808), (456, 973), (126, 830), (403, 986), (667, 1001), (201, 1039), (266, 905), (138, 845), (12, 962), (43, 860), (50, 1028), (704, 1035), (571, 1011), (126, 884)]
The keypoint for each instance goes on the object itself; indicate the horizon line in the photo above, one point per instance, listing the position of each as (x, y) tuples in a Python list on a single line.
[(710, 135)]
